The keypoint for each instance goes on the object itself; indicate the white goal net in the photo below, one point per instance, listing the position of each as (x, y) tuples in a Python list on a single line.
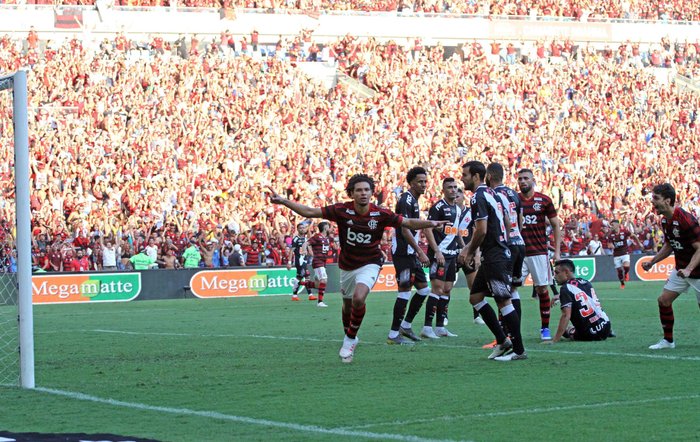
[(9, 328)]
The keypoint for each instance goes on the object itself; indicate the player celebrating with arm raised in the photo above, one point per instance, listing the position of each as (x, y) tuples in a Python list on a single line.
[(360, 225), (494, 276), (409, 260), (445, 245), (682, 238), (537, 208)]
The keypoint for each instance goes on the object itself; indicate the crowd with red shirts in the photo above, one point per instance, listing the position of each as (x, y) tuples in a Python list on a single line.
[(167, 150), (580, 10)]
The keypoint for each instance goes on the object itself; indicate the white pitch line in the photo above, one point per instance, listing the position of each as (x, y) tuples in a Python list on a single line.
[(526, 411), (242, 419), (431, 344)]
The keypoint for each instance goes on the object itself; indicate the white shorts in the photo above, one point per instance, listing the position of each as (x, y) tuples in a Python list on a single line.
[(621, 260), (366, 275), (677, 284), (538, 266), (320, 273)]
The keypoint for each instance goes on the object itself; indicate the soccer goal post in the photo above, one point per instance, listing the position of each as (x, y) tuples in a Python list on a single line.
[(21, 283)]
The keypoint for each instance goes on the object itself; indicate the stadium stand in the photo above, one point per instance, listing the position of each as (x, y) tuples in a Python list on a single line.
[(582, 10), (133, 139)]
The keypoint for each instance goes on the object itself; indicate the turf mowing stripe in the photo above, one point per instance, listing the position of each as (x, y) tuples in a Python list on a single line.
[(241, 419), (432, 344), (525, 411)]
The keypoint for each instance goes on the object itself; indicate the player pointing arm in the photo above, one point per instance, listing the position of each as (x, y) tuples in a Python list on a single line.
[(315, 212), (360, 226)]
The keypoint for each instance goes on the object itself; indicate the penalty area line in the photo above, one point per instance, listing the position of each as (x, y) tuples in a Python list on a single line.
[(431, 344), (239, 419), (527, 411)]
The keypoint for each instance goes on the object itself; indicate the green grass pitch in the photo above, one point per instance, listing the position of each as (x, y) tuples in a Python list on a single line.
[(265, 368)]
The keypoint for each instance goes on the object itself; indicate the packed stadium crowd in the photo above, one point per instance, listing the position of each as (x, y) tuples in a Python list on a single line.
[(670, 10), (158, 150)]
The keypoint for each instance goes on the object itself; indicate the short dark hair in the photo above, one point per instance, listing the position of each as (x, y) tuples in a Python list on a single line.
[(666, 190), (449, 179), (322, 225), (414, 172), (359, 178), (566, 263), (496, 172), (476, 168), (526, 170)]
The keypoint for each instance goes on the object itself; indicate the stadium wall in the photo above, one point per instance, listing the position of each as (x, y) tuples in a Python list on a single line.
[(53, 288), (140, 23)]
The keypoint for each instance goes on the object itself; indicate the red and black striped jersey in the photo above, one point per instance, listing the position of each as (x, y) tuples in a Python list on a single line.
[(536, 211), (680, 232), (320, 246), (360, 235), (619, 242)]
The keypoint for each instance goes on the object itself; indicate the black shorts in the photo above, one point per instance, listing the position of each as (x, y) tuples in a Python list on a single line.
[(494, 279), (586, 335), (302, 271), (517, 255), (409, 271), (448, 273)]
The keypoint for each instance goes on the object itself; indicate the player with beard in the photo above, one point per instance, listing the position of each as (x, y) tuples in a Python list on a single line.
[(494, 276), (299, 260), (537, 208), (409, 260), (361, 226), (618, 238), (682, 238), (445, 244)]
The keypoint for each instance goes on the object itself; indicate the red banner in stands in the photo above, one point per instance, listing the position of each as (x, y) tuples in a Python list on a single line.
[(67, 18)]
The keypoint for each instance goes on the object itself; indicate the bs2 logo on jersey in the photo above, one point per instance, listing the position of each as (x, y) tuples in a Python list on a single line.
[(355, 238)]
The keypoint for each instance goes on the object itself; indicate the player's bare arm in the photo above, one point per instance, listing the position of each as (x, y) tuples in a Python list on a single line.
[(556, 230), (467, 255), (694, 261), (301, 209), (439, 258), (662, 254), (290, 258), (561, 328), (521, 220), (418, 224), (422, 257)]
